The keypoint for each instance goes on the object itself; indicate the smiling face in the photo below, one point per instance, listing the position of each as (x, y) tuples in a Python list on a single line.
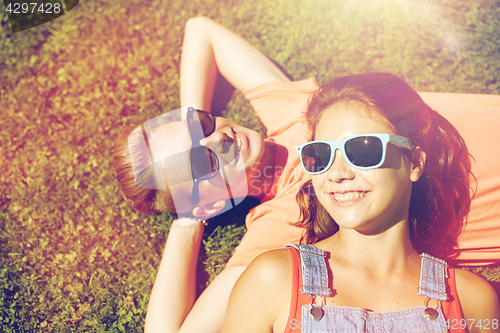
[(369, 201), (237, 148)]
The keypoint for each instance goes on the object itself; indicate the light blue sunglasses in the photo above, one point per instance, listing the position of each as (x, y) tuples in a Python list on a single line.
[(366, 151)]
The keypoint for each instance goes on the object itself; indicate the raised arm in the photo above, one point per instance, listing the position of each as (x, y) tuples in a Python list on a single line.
[(209, 48)]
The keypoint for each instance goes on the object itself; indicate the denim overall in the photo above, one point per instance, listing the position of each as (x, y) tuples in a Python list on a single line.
[(328, 318)]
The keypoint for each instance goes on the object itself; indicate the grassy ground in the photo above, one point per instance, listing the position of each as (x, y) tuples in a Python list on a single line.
[(74, 255)]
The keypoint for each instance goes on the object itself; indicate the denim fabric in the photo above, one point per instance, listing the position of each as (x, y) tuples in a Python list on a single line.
[(349, 319), (314, 273), (433, 274)]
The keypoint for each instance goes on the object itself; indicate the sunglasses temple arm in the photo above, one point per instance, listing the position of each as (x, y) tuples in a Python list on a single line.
[(401, 141), (195, 196), (227, 186)]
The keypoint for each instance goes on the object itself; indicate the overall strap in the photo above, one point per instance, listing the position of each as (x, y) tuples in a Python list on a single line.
[(433, 275), (314, 272)]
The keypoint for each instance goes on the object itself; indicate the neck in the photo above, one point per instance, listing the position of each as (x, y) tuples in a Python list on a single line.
[(381, 254), (263, 172)]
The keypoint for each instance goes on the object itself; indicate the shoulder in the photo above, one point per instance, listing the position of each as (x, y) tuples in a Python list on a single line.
[(471, 286), (269, 275), (271, 267), (477, 297)]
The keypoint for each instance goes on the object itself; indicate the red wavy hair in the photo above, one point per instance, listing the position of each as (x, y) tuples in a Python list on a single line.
[(440, 200)]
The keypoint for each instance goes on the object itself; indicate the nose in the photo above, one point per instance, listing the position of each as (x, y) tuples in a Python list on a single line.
[(340, 170), (218, 142)]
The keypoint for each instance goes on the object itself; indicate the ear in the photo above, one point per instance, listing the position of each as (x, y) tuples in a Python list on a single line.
[(418, 164), (208, 210)]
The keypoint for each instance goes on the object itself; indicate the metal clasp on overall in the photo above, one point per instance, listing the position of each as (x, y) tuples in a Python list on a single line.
[(317, 311)]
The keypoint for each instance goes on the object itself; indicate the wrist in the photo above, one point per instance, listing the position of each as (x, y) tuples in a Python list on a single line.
[(186, 231), (185, 222), (186, 237)]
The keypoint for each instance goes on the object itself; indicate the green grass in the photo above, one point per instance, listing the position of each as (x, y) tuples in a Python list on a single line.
[(75, 256)]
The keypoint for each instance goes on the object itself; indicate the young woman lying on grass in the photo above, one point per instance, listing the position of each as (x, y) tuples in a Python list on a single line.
[(390, 181)]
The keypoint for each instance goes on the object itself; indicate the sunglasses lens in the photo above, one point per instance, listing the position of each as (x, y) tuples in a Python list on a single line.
[(203, 162), (315, 156), (364, 151), (203, 120)]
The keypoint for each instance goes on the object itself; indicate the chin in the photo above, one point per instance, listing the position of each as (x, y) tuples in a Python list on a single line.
[(349, 221), (350, 225)]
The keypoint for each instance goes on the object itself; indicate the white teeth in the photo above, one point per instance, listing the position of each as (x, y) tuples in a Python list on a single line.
[(238, 141), (348, 196)]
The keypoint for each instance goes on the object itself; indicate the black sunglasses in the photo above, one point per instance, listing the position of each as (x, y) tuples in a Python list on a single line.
[(203, 160)]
